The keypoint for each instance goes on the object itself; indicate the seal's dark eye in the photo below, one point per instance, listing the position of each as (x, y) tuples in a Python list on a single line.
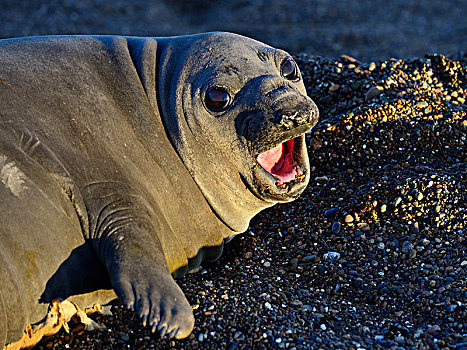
[(289, 69), (217, 99)]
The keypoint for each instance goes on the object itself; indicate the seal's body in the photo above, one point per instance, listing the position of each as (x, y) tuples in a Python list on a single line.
[(126, 161)]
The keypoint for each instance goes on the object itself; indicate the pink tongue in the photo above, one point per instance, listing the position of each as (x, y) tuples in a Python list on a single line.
[(279, 161)]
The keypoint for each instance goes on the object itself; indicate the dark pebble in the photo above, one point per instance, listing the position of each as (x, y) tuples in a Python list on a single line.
[(331, 212), (336, 227)]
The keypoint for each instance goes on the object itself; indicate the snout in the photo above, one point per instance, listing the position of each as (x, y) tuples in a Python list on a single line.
[(274, 137), (283, 119), (296, 114)]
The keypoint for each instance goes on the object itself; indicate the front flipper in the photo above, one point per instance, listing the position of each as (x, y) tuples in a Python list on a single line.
[(124, 236), (149, 289)]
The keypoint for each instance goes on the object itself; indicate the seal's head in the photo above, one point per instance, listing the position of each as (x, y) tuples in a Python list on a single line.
[(237, 118)]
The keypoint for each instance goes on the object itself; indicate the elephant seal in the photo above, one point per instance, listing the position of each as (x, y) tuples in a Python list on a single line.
[(125, 161)]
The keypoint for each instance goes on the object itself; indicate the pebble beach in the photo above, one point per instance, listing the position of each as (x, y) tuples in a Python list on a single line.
[(373, 254)]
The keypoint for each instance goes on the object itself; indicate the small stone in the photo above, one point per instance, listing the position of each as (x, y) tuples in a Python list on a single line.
[(373, 92), (363, 226), (336, 227), (415, 228), (323, 327), (296, 303), (316, 144), (322, 178), (348, 218), (383, 208), (422, 104), (399, 339), (407, 246), (308, 259), (464, 263), (239, 336), (267, 305), (267, 264), (293, 263), (372, 66), (334, 88), (433, 329), (331, 212), (331, 256), (397, 201), (247, 255), (425, 242)]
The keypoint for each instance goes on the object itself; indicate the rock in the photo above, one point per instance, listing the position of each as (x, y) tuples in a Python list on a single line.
[(331, 256), (407, 246), (336, 227), (373, 92), (433, 329), (309, 258), (247, 255), (363, 226), (239, 336), (331, 212), (293, 263)]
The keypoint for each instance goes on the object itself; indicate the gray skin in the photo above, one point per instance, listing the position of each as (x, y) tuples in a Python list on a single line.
[(115, 176)]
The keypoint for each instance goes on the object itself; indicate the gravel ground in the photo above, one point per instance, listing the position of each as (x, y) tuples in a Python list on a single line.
[(373, 255)]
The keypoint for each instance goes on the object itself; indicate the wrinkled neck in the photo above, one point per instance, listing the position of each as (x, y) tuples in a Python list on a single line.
[(218, 178)]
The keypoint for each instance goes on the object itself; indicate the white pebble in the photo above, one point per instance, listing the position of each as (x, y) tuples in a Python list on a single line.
[(331, 256)]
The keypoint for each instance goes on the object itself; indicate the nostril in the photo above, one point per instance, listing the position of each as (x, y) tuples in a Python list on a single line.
[(296, 115), (292, 120)]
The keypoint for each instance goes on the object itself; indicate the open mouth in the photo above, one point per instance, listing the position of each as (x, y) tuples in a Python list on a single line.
[(280, 163)]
